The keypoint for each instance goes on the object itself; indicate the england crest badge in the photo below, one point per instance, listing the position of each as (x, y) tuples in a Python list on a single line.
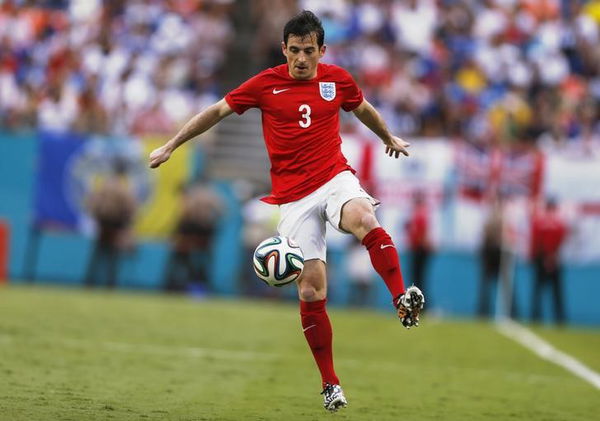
[(327, 90)]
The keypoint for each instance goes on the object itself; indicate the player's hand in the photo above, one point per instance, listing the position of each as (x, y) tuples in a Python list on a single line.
[(396, 146), (159, 155)]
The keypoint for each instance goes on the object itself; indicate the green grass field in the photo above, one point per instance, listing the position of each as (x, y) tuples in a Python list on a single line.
[(81, 355)]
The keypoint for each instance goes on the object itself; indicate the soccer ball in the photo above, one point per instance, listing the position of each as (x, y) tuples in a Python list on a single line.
[(278, 261)]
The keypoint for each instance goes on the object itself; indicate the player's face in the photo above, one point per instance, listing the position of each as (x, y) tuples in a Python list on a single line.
[(303, 55)]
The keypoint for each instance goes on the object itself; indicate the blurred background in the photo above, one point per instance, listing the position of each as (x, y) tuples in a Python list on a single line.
[(497, 211)]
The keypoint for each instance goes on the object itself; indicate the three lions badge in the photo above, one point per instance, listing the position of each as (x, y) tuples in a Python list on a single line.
[(327, 90)]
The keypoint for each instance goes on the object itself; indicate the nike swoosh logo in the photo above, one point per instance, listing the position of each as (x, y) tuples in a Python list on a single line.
[(386, 245), (306, 328), (278, 91)]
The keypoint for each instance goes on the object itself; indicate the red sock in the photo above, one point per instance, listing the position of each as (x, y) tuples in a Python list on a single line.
[(384, 258), (318, 333)]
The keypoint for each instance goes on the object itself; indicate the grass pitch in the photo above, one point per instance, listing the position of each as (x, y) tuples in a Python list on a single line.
[(81, 355)]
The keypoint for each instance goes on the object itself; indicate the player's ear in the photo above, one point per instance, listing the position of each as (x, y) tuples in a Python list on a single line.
[(283, 48), (322, 50)]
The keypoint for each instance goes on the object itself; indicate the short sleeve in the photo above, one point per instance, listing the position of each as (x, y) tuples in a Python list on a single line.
[(352, 95), (245, 96)]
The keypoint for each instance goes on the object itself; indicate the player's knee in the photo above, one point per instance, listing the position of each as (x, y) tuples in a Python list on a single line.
[(368, 221), (312, 285), (309, 293), (355, 214)]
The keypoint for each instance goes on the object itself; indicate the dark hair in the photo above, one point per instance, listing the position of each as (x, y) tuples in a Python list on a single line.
[(302, 25)]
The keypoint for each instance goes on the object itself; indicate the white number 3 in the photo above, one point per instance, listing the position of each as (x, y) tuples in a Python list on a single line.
[(306, 116)]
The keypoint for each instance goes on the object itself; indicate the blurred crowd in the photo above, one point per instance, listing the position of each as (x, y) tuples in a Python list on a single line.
[(490, 70), (110, 67), (496, 71)]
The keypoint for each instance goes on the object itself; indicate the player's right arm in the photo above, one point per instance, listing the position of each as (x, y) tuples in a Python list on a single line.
[(197, 125)]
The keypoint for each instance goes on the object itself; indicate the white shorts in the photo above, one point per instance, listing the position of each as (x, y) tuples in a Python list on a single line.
[(304, 220)]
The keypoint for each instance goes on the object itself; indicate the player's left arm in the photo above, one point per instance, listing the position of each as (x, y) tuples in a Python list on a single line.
[(371, 118)]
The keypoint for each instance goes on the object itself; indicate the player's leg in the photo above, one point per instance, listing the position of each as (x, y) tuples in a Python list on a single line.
[(312, 284), (358, 217), (350, 209), (312, 291), (303, 221)]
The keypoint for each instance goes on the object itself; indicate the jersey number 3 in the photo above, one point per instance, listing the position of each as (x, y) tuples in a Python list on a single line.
[(305, 109)]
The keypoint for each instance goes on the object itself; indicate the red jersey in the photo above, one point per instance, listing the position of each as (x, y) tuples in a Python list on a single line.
[(548, 234), (301, 127), (418, 228)]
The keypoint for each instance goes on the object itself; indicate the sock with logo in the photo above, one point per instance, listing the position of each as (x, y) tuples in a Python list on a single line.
[(384, 258), (319, 335)]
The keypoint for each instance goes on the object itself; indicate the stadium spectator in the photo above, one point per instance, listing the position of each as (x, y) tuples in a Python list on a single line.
[(113, 206), (548, 234), (201, 209), (311, 180), (418, 229), (496, 254), (491, 256)]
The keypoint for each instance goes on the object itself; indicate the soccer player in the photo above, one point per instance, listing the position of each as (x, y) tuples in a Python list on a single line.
[(311, 180)]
